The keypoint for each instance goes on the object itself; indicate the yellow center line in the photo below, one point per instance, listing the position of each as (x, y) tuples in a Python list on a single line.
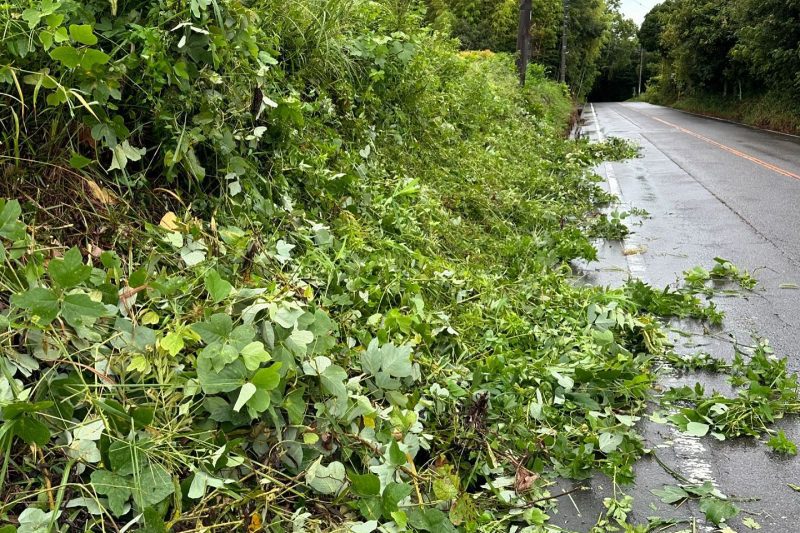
[(734, 151)]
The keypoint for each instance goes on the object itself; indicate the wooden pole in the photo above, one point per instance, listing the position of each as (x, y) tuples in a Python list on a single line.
[(641, 66), (524, 39), (562, 71)]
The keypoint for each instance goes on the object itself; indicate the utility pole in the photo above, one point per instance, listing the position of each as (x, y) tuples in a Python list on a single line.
[(562, 71), (641, 66), (524, 39)]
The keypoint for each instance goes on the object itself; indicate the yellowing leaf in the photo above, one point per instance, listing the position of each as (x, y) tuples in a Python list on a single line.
[(101, 194), (169, 221)]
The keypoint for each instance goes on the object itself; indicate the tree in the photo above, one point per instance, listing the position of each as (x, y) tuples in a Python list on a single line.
[(619, 61)]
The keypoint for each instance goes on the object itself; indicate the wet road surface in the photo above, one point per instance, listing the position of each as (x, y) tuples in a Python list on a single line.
[(711, 189)]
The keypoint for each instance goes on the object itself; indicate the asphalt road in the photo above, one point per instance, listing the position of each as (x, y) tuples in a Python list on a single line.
[(711, 189)]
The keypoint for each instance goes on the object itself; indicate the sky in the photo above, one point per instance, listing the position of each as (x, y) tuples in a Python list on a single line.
[(637, 9)]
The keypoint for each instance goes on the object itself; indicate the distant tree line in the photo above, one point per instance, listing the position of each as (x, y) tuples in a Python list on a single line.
[(731, 48), (592, 26)]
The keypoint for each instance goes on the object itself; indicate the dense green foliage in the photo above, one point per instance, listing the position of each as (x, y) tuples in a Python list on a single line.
[(619, 62), (732, 51), (493, 25), (299, 266)]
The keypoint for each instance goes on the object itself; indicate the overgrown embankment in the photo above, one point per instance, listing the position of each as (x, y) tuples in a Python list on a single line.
[(287, 265)]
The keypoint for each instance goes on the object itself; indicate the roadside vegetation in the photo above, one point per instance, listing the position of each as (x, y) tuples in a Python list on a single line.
[(736, 59), (306, 266)]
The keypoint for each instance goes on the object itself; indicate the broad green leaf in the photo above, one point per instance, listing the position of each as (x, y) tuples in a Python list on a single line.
[(42, 303), (31, 430), (245, 393), (609, 442), (230, 378), (83, 34), (172, 343), (67, 56), (429, 519), (464, 511), (115, 487), (254, 354), (671, 494), (396, 360), (365, 484), (216, 328), (10, 226), (328, 479), (70, 270), (750, 523), (124, 152), (128, 457), (295, 405), (260, 401), (371, 358), (78, 161), (34, 520), (80, 310), (697, 429), (716, 510), (393, 494), (151, 485), (218, 355), (364, 527), (333, 379), (396, 456), (217, 288), (446, 483), (268, 378)]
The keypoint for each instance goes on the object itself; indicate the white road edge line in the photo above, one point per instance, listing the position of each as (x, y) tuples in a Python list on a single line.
[(689, 449)]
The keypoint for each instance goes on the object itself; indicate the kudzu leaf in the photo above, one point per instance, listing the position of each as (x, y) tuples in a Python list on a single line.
[(396, 455), (671, 494), (245, 393), (216, 328), (268, 378), (295, 405), (396, 360), (172, 343), (80, 310), (78, 161), (254, 354), (697, 429), (69, 271), (152, 485), (67, 56), (217, 288), (10, 226), (83, 34), (609, 442), (717, 510), (328, 479), (332, 380), (34, 520), (393, 494), (432, 520), (31, 430), (113, 486), (42, 303), (230, 378), (365, 484), (92, 57)]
